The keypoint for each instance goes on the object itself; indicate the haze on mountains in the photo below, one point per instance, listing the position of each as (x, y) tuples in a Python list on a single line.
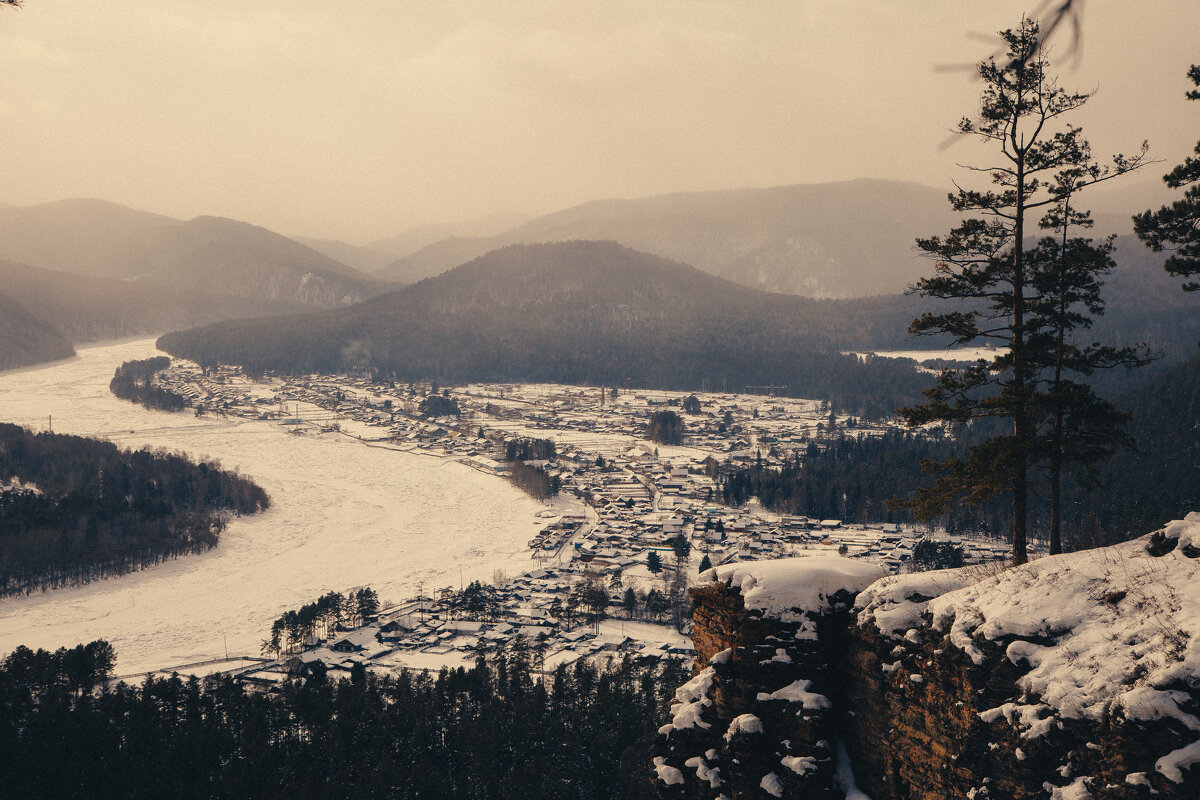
[(28, 339), (82, 270), (830, 240), (94, 237)]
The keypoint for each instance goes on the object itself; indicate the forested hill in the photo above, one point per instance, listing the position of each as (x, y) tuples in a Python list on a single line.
[(584, 312), (26, 338)]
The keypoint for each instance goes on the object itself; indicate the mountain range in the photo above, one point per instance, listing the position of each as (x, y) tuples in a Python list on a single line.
[(830, 240), (82, 270), (210, 254), (119, 271)]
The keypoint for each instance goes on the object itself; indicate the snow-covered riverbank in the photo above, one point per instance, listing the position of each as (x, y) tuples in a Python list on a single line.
[(343, 515)]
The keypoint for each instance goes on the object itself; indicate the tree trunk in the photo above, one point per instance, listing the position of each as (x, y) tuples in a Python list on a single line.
[(1020, 513), (1055, 513)]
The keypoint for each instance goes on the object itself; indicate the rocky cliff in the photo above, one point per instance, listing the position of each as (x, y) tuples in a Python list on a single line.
[(1069, 678)]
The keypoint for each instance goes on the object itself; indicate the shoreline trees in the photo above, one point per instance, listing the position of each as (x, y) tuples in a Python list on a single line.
[(134, 381), (82, 509)]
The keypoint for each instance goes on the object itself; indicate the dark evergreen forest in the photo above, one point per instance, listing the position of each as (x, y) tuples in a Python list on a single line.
[(134, 381), (1132, 493), (496, 730), (82, 509)]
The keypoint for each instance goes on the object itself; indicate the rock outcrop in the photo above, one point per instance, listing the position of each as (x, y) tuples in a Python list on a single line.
[(1069, 678), (758, 720)]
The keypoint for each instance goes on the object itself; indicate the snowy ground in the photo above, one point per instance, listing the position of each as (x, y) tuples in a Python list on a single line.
[(343, 515)]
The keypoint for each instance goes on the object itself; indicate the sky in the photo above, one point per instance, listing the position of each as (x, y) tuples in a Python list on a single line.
[(359, 120)]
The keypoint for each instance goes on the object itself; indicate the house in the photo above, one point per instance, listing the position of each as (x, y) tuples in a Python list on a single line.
[(353, 641)]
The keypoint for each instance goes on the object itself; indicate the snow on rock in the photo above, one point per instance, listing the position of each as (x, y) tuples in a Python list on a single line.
[(1032, 720), (690, 701), (722, 657), (780, 657), (1172, 764), (743, 723), (772, 785), (666, 773), (895, 603), (1137, 779), (1077, 790), (845, 775), (799, 764), (804, 583), (704, 772), (798, 692), (1113, 626)]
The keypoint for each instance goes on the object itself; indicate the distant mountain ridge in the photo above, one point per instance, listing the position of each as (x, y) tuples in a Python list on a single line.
[(832, 240), (411, 240), (206, 254)]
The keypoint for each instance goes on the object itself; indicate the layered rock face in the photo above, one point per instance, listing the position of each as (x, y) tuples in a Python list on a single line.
[(1069, 678), (758, 719)]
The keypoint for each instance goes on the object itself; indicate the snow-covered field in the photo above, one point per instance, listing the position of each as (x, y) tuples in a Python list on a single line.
[(342, 515)]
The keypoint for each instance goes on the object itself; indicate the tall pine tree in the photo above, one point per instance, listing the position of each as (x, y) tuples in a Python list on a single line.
[(1080, 428), (983, 261)]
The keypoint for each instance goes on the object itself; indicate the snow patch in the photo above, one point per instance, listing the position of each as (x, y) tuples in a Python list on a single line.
[(803, 583), (690, 701), (800, 764), (743, 724), (666, 773), (772, 785), (704, 772), (896, 603), (1032, 720), (1076, 791), (845, 775), (1098, 629), (1173, 763), (722, 657), (798, 692)]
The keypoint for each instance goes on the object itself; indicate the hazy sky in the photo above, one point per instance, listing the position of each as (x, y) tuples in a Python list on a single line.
[(360, 119)]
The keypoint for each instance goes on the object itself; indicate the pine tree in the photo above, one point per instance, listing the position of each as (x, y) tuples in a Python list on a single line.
[(1177, 227), (654, 562), (983, 261), (1067, 274)]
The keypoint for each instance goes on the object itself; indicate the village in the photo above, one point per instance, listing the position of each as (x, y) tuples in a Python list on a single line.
[(628, 523)]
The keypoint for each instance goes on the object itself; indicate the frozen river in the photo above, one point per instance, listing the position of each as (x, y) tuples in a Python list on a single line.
[(342, 515)]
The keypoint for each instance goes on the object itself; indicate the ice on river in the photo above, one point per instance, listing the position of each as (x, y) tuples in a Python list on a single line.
[(343, 515)]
